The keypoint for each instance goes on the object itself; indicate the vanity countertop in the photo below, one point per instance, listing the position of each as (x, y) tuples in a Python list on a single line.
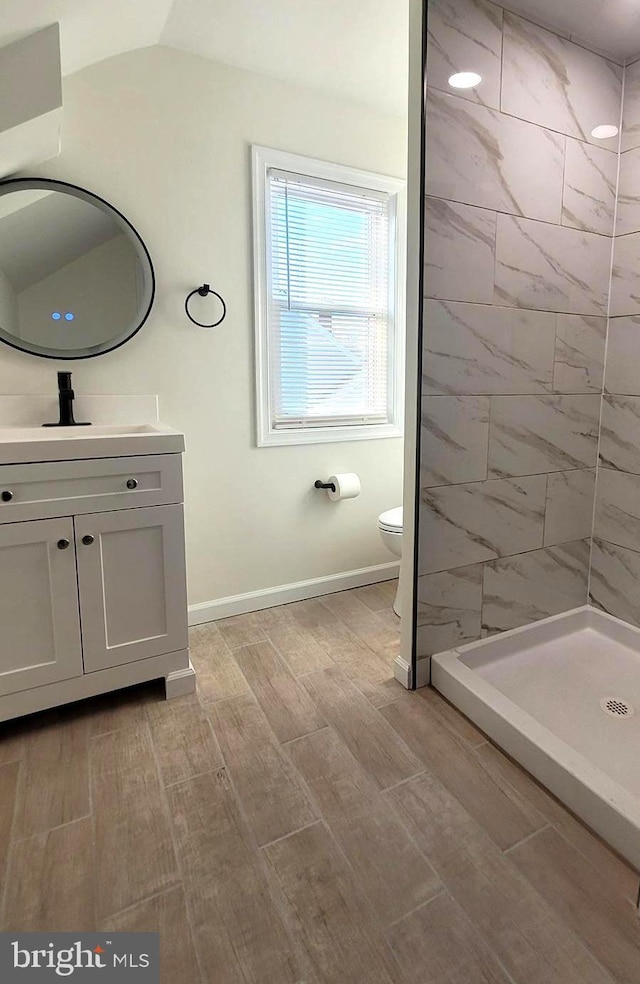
[(19, 445)]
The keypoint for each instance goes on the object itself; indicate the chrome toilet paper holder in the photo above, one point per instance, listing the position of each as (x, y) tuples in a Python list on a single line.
[(319, 484)]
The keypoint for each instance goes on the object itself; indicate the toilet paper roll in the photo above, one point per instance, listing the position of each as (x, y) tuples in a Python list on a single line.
[(347, 486)]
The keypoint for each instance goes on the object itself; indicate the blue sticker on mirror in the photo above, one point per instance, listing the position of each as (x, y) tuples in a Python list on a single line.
[(56, 316), (69, 316)]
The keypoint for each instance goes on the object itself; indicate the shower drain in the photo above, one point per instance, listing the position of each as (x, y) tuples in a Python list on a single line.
[(616, 707)]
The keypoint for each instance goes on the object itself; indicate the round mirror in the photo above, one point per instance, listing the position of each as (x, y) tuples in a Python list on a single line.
[(76, 279)]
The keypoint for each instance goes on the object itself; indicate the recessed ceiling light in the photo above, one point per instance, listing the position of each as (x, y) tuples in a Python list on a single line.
[(465, 80), (605, 131)]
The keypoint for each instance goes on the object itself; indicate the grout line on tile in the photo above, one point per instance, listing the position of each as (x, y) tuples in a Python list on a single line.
[(484, 625), (529, 837), (544, 512), (292, 833), (196, 775), (49, 830), (218, 700), (149, 898), (291, 741), (403, 782), (417, 908), (562, 205), (387, 703)]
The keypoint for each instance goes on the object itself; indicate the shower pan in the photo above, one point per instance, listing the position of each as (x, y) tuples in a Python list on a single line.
[(562, 697)]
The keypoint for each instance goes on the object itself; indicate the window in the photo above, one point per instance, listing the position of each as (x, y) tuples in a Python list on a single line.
[(329, 281)]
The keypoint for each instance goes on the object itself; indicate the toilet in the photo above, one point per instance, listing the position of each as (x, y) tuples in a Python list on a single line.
[(390, 527)]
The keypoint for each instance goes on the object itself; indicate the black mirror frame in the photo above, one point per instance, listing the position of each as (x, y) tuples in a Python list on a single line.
[(28, 184)]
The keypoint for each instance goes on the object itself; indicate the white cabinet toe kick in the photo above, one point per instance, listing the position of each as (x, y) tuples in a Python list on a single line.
[(92, 580)]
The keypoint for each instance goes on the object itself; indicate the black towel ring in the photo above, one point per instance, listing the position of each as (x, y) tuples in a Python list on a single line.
[(204, 291)]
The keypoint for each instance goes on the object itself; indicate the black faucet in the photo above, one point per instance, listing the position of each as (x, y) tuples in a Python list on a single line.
[(65, 399)]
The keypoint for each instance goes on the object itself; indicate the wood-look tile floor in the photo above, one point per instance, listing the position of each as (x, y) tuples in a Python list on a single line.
[(302, 819)]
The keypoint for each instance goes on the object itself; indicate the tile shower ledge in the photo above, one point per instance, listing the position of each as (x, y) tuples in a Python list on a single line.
[(610, 807)]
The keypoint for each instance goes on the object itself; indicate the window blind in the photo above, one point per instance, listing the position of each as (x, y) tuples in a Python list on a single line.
[(330, 256)]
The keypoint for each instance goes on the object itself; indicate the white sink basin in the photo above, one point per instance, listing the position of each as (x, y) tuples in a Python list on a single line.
[(26, 444)]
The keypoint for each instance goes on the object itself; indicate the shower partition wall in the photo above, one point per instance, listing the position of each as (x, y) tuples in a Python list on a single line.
[(519, 225)]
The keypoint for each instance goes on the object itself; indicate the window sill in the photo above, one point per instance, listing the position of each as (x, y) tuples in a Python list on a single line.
[(328, 435)]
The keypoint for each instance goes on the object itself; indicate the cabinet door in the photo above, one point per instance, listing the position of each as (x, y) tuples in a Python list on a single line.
[(131, 576), (39, 625)]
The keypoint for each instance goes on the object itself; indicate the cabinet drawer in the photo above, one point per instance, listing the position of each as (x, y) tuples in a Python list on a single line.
[(46, 490)]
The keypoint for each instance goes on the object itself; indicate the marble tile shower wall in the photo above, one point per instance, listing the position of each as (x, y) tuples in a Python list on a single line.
[(519, 222), (615, 562)]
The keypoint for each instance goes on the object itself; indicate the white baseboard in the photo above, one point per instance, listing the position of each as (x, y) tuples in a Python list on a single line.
[(283, 594), (179, 683), (402, 672)]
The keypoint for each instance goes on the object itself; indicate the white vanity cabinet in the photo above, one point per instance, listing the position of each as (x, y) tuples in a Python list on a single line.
[(92, 579)]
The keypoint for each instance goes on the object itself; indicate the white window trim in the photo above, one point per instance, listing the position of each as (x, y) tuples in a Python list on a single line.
[(262, 159)]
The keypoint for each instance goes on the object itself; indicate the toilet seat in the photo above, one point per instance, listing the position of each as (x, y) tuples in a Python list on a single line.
[(390, 529), (391, 520)]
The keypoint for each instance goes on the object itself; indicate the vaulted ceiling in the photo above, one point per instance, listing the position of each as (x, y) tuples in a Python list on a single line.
[(356, 48)]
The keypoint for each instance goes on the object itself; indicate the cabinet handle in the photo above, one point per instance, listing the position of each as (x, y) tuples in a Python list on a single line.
[(88, 540), (7, 496), (132, 483), (63, 544)]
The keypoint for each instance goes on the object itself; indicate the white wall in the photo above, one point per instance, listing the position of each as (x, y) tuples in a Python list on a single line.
[(165, 136), (8, 305)]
